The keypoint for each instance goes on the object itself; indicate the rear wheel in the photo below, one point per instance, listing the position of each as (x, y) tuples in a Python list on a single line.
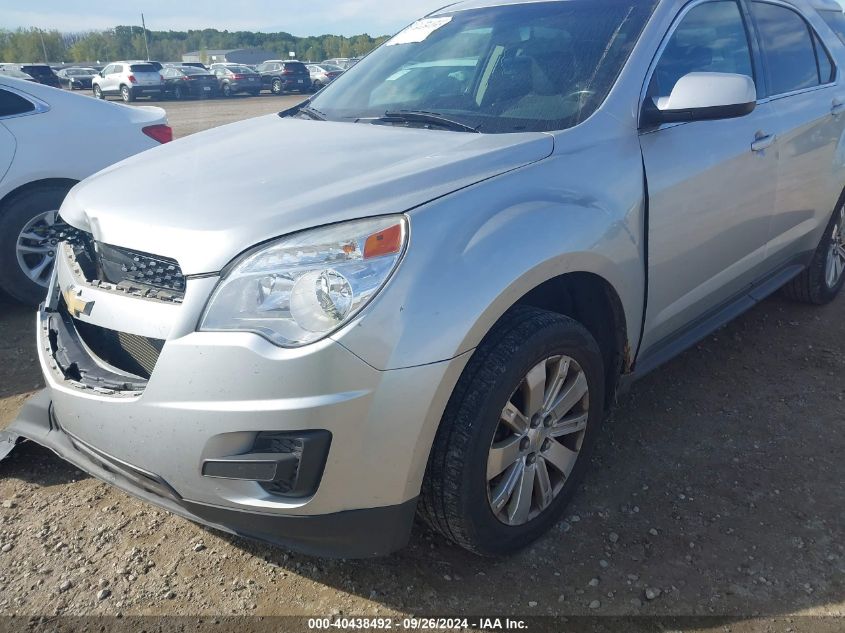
[(316, 86), (517, 433), (27, 243), (98, 92), (277, 87), (823, 279), (126, 94), (178, 94), (227, 90)]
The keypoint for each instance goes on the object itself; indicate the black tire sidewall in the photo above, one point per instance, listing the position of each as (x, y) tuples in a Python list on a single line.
[(13, 217), (820, 292), (490, 535)]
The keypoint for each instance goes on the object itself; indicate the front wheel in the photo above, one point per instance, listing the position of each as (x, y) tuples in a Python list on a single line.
[(98, 92), (126, 94), (823, 279), (517, 434), (27, 241)]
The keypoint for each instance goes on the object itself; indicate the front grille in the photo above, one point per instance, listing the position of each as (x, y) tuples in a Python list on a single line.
[(133, 272), (131, 353)]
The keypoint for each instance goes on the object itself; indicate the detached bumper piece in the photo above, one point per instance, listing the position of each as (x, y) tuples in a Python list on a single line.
[(350, 534)]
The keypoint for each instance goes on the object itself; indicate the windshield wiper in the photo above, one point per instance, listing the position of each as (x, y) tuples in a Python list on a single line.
[(311, 112), (304, 108), (431, 118)]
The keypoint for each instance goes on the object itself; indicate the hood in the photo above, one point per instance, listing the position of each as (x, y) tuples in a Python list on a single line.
[(207, 198)]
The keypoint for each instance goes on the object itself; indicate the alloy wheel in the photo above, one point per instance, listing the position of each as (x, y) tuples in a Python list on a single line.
[(36, 247), (538, 440), (836, 255)]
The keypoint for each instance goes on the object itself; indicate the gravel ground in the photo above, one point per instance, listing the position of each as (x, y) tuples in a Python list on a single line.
[(717, 490)]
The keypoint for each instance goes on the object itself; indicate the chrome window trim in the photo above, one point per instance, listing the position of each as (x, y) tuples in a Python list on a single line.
[(40, 107)]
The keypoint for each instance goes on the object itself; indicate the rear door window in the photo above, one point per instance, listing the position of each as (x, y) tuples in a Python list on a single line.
[(12, 104), (787, 48)]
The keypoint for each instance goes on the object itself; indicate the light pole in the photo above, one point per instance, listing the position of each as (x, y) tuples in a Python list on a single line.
[(146, 45)]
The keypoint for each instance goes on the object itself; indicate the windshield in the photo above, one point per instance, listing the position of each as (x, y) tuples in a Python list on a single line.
[(527, 67)]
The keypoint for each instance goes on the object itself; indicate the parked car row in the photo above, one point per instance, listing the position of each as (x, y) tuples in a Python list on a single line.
[(132, 79)]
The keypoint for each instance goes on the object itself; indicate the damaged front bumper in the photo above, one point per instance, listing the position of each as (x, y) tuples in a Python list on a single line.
[(309, 448), (350, 534)]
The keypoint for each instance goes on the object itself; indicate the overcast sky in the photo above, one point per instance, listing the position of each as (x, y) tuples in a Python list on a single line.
[(303, 17)]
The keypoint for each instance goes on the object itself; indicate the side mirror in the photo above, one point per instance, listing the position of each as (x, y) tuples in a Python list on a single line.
[(703, 97), (101, 74)]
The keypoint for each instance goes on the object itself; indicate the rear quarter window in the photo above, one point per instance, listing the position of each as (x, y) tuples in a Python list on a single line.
[(12, 104)]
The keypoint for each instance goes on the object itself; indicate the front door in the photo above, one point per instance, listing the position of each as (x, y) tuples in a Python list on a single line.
[(711, 184)]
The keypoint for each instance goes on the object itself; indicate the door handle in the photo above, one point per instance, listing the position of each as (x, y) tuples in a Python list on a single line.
[(837, 107), (763, 142)]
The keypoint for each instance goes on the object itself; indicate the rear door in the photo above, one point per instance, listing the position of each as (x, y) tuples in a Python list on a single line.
[(711, 183), (806, 92)]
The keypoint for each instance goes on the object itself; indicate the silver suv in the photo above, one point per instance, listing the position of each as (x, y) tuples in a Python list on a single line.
[(129, 80), (511, 236)]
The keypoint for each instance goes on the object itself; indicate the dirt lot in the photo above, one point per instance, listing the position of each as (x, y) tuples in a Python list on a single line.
[(718, 489)]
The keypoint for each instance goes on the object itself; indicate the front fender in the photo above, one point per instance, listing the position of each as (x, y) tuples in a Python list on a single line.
[(475, 253)]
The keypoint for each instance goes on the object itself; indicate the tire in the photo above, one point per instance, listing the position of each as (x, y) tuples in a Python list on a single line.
[(457, 499), (178, 94), (126, 94), (226, 90), (15, 215), (315, 87), (816, 285), (98, 92), (277, 88)]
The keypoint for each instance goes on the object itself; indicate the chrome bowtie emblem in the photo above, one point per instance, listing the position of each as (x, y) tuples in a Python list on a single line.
[(76, 305)]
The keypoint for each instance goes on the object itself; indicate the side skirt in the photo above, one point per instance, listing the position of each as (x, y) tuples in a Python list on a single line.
[(698, 330)]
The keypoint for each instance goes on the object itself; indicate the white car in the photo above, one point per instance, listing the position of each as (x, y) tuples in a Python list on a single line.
[(129, 80), (49, 141)]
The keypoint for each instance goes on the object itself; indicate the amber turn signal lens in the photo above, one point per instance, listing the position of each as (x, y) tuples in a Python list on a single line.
[(385, 242)]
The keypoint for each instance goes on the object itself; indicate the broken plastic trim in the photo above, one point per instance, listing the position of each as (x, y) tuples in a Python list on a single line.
[(76, 365)]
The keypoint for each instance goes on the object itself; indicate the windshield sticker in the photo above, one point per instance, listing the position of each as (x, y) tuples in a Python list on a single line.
[(419, 31)]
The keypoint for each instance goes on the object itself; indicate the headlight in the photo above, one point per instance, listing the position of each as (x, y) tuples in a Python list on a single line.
[(301, 288)]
